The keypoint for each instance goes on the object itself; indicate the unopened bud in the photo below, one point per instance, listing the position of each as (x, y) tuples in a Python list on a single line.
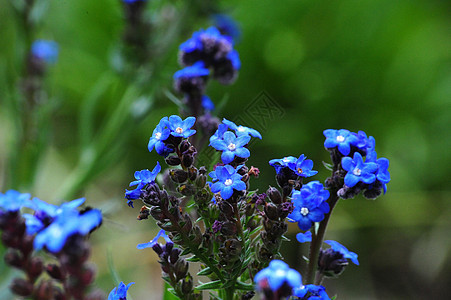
[(274, 195), (21, 287), (178, 175), (173, 160)]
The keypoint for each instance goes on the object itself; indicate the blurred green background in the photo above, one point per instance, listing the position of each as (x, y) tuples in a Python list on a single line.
[(382, 66)]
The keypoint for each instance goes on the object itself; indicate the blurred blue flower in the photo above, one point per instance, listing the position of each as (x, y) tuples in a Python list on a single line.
[(342, 138), (343, 250), (302, 166), (316, 292), (196, 70), (358, 170), (161, 233), (275, 275), (234, 58), (207, 104), (45, 50), (242, 130), (181, 128), (13, 201), (231, 146), (304, 237), (143, 178), (227, 180), (120, 293), (227, 26), (159, 135)]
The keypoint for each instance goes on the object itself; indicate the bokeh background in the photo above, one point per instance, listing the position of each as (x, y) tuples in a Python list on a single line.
[(382, 66)]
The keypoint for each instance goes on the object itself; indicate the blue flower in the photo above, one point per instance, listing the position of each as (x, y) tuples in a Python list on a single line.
[(161, 233), (304, 237), (159, 135), (279, 164), (342, 138), (219, 133), (242, 130), (309, 205), (316, 292), (181, 128), (12, 201), (365, 143), (234, 59), (196, 70), (227, 26), (143, 178), (207, 104), (231, 146), (275, 275), (227, 180), (343, 250), (120, 293), (358, 170), (302, 166), (66, 224), (45, 50)]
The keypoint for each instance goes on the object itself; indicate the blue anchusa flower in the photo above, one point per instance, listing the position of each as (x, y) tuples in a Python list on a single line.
[(242, 130), (191, 80), (159, 135), (196, 70), (276, 277), (150, 244), (281, 163), (304, 237), (45, 50), (365, 143), (309, 205), (227, 26), (302, 166), (181, 128), (382, 174), (219, 133), (143, 178), (343, 139), (312, 292), (66, 224), (207, 104), (231, 146), (358, 170), (120, 292), (343, 250), (226, 179), (12, 201)]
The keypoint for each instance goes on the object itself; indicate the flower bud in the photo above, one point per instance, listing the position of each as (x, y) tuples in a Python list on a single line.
[(187, 285), (21, 287), (173, 160), (274, 195), (201, 180), (271, 211), (144, 213), (331, 263), (55, 272), (178, 175), (181, 268), (35, 267), (192, 173), (13, 258), (186, 190)]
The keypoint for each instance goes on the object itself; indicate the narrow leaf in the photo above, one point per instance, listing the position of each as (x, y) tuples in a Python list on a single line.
[(209, 285)]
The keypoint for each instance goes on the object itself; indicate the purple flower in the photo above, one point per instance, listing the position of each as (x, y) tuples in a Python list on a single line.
[(302, 166), (343, 139), (181, 128), (120, 293), (242, 130), (231, 146), (343, 250), (358, 170), (159, 135), (276, 275), (161, 233), (227, 180)]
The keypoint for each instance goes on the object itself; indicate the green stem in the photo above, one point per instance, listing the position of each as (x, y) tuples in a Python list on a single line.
[(317, 241)]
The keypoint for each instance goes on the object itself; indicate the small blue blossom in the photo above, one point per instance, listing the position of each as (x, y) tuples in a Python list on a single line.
[(143, 178), (196, 70), (231, 146), (207, 104), (316, 292), (181, 128), (161, 233), (304, 237), (159, 135), (302, 166), (358, 170), (343, 250), (281, 163), (45, 50), (234, 59), (120, 293), (12, 201), (227, 180), (275, 275), (242, 130), (227, 26), (222, 128), (342, 138), (365, 143)]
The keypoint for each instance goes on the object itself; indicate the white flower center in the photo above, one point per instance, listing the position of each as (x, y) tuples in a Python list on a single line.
[(158, 135), (299, 170), (340, 138), (357, 172), (231, 146), (304, 211), (228, 182), (240, 128), (179, 130)]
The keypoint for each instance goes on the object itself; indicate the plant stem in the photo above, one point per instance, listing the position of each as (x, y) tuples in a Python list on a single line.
[(317, 241)]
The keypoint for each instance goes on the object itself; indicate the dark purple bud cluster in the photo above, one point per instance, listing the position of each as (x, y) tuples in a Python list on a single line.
[(331, 263)]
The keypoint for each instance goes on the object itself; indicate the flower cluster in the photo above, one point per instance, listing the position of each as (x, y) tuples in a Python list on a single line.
[(277, 280)]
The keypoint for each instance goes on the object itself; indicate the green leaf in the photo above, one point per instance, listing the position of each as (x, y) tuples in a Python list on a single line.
[(193, 258), (186, 251), (169, 293), (205, 272), (328, 166), (209, 285), (257, 229), (244, 286)]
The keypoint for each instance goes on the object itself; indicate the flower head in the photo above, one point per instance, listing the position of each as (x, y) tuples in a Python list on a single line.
[(358, 170), (120, 292), (161, 233), (159, 135), (304, 237), (343, 139), (302, 166), (45, 50), (207, 104), (278, 278), (314, 292), (343, 250), (242, 130), (281, 163), (12, 201), (231, 146), (181, 128), (227, 180), (227, 26), (143, 178)]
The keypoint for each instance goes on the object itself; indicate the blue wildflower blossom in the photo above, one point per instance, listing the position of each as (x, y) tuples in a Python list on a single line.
[(227, 180), (207, 104), (281, 163), (276, 275), (143, 178), (234, 59), (219, 133), (242, 130), (343, 139), (302, 166), (161, 233), (45, 50), (343, 250), (232, 146), (181, 128), (358, 170), (120, 292), (315, 292), (159, 135), (304, 237), (12, 201), (227, 26), (196, 70), (365, 143)]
